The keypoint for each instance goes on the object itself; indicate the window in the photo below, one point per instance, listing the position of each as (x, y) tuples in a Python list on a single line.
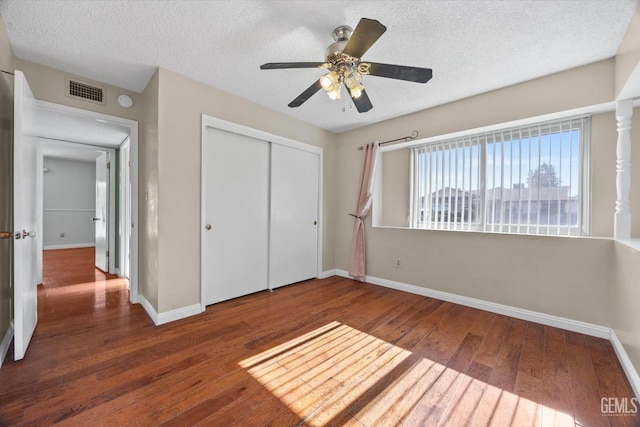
[(527, 180)]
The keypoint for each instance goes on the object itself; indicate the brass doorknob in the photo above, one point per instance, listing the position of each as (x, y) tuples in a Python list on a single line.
[(6, 235), (207, 227)]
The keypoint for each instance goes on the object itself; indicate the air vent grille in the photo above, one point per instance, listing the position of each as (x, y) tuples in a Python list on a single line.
[(80, 90)]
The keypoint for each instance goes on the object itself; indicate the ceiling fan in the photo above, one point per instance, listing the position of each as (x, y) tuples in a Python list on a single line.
[(342, 60)]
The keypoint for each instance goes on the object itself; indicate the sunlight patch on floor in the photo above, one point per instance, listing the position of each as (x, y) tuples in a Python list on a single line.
[(337, 372), (85, 288)]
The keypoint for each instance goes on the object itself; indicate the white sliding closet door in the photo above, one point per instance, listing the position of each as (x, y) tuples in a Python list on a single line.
[(293, 245), (235, 172)]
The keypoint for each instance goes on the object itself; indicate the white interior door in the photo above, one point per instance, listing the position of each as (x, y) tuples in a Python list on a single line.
[(235, 211), (102, 209), (24, 218), (293, 243)]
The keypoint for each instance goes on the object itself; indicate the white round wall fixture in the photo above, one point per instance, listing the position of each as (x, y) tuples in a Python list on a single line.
[(125, 101)]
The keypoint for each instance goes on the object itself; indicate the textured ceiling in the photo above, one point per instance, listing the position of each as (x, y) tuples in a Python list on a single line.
[(472, 46), (74, 128)]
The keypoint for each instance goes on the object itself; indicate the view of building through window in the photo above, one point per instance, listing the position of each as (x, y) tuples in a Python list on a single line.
[(522, 180)]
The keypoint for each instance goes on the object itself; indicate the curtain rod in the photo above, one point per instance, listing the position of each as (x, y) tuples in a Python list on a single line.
[(414, 135)]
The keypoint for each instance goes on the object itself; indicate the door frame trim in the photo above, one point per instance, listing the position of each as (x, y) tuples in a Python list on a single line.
[(133, 140), (214, 122), (125, 221)]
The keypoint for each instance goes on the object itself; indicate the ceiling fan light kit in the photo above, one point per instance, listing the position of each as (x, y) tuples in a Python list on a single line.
[(342, 60)]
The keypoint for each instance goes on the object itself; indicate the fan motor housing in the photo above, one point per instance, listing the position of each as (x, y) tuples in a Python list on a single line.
[(334, 51), (342, 33)]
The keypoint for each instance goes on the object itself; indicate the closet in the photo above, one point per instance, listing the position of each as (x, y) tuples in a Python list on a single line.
[(260, 211)]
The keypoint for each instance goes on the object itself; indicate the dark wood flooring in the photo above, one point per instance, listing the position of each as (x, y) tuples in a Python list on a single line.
[(322, 352)]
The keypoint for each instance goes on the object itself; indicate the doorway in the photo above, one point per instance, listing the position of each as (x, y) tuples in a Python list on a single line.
[(70, 132), (79, 199)]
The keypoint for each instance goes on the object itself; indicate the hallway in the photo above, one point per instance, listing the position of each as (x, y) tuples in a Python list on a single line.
[(71, 275)]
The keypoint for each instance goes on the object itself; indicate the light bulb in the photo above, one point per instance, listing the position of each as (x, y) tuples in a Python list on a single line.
[(326, 82), (356, 92), (352, 79), (335, 93)]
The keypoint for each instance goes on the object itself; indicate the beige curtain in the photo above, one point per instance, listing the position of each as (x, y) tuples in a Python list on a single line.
[(357, 262)]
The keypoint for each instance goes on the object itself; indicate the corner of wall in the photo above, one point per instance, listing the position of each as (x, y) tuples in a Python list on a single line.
[(627, 61), (148, 197), (626, 315)]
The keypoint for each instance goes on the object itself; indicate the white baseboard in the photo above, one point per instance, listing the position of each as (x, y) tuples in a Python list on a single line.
[(519, 313), (168, 316), (71, 246), (629, 369), (327, 273), (179, 313), (6, 342), (153, 314)]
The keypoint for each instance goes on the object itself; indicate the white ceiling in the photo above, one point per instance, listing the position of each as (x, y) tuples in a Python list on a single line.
[(472, 46), (67, 126), (70, 153), (70, 135)]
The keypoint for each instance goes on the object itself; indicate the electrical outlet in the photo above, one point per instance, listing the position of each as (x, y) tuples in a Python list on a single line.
[(398, 262), (61, 234)]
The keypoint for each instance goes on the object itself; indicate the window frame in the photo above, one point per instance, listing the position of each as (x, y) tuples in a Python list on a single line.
[(482, 139)]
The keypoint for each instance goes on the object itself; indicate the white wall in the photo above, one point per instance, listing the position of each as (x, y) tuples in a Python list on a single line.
[(69, 203)]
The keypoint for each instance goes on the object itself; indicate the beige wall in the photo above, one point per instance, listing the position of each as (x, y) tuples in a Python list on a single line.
[(6, 182), (626, 295), (181, 103), (560, 276), (6, 52), (627, 60), (634, 197), (552, 275), (49, 84), (148, 195), (604, 137), (395, 176)]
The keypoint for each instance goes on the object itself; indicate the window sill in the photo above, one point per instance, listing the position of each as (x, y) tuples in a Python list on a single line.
[(632, 243)]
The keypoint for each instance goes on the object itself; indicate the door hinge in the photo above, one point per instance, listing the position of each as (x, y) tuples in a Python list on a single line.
[(108, 165), (107, 254)]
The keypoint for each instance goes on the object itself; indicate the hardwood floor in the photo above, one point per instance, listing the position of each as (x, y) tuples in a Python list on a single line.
[(322, 352)]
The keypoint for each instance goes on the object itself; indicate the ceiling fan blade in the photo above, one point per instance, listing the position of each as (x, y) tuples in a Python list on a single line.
[(311, 90), (362, 103), (283, 65), (367, 32), (400, 72)]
